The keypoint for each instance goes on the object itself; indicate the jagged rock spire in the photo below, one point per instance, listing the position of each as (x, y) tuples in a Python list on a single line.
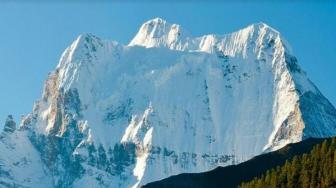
[(10, 125)]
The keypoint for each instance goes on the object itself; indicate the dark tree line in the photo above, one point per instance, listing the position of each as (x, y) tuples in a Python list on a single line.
[(316, 169)]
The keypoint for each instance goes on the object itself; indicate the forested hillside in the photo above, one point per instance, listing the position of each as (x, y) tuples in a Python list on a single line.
[(316, 169)]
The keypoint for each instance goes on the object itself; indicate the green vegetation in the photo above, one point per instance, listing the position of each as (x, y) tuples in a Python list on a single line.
[(314, 170)]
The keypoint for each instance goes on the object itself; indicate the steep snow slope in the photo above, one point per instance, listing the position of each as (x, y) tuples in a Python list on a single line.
[(20, 162), (167, 103)]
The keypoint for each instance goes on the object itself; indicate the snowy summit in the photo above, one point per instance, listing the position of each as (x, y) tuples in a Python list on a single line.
[(115, 115)]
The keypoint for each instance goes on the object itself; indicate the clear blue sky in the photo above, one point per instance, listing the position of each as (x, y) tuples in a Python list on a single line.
[(33, 36)]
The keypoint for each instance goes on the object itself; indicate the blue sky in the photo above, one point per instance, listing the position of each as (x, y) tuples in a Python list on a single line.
[(33, 36)]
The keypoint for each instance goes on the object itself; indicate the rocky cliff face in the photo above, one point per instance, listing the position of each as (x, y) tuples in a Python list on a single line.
[(122, 116), (10, 124)]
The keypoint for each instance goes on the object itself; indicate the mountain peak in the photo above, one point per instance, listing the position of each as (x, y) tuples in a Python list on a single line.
[(159, 33), (260, 24), (84, 47), (157, 20), (123, 116), (88, 41)]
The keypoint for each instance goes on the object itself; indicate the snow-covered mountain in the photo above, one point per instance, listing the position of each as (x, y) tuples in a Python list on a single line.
[(115, 115)]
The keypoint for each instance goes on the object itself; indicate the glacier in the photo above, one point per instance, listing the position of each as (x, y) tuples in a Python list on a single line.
[(115, 115)]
